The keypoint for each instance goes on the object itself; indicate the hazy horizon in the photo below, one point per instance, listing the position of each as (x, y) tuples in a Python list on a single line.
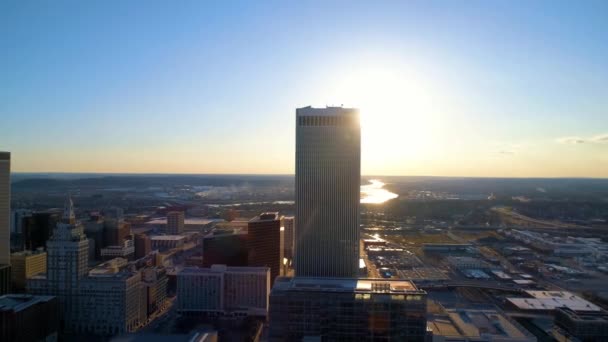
[(273, 174), (446, 89)]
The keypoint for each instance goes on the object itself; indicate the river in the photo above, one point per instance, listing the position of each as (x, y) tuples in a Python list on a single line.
[(375, 194)]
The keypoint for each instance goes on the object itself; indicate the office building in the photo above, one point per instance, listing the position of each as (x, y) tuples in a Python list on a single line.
[(38, 229), (288, 236), (67, 259), (27, 318), (116, 229), (175, 222), (582, 325), (341, 309), (143, 245), (18, 218), (112, 301), (327, 192), (264, 243), (94, 230), (26, 264), (155, 281), (5, 208), (222, 290), (225, 247)]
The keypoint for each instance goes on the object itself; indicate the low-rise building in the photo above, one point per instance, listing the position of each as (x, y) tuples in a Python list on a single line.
[(447, 247), (548, 301), (467, 263)]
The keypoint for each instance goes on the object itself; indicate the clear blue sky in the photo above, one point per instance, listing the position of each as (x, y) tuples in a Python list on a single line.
[(468, 88)]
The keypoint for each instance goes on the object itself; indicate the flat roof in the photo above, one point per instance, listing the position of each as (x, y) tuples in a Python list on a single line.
[(327, 111), (18, 302), (550, 300), (168, 237), (187, 221), (216, 269), (268, 216), (379, 285), (473, 323), (501, 275)]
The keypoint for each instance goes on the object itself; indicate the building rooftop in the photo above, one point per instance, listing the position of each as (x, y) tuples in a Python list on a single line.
[(327, 111), (224, 232), (223, 269), (601, 316), (28, 253), (18, 302), (168, 237), (345, 285), (268, 216), (550, 300), (187, 221), (477, 324)]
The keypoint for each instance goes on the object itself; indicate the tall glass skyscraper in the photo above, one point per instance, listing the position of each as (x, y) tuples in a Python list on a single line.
[(5, 208), (328, 178)]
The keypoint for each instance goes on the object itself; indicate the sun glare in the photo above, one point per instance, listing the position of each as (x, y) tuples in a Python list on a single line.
[(398, 119)]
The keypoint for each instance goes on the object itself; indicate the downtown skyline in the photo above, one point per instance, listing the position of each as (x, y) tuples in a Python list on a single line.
[(444, 88)]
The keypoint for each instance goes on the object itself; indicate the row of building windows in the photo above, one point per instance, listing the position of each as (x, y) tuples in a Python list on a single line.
[(324, 120)]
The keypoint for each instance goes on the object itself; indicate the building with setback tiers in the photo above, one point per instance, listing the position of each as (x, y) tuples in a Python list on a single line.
[(67, 259), (339, 309), (327, 192), (264, 243)]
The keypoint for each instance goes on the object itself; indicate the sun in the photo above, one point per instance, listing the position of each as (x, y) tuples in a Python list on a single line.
[(397, 114)]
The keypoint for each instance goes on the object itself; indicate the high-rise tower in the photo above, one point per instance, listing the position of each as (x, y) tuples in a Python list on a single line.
[(5, 208), (328, 179), (67, 264), (5, 229)]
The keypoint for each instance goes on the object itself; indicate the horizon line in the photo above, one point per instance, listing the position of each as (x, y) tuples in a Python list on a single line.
[(285, 174)]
